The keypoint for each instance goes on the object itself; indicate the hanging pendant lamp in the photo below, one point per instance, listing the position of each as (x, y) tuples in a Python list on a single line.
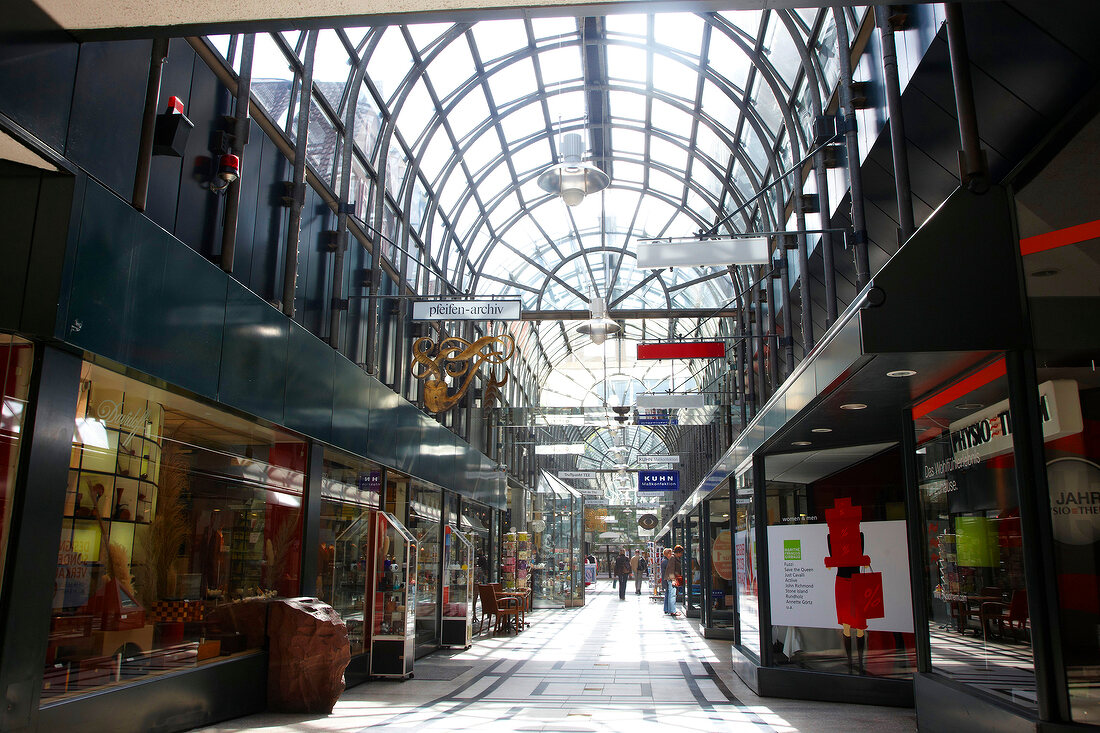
[(599, 327), (572, 179)]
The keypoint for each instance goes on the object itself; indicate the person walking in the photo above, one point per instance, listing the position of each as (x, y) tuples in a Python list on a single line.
[(637, 567), (622, 572), (670, 570)]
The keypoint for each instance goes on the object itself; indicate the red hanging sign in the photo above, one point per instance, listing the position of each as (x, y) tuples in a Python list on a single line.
[(684, 350)]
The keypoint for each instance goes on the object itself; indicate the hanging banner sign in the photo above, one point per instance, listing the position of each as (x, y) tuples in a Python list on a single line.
[(656, 419), (658, 481), (717, 252), (650, 460), (466, 310), (988, 433), (685, 350), (670, 401), (576, 474)]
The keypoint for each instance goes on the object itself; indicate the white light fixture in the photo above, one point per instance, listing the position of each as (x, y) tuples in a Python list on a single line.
[(801, 442), (854, 406), (571, 179), (822, 430), (599, 327), (901, 373), (657, 254)]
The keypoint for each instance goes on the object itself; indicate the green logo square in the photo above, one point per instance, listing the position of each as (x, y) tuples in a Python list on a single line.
[(792, 549)]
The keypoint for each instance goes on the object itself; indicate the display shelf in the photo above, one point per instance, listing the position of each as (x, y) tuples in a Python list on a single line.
[(458, 557), (392, 559)]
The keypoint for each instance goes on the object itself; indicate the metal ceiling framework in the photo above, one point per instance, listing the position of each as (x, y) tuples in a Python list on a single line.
[(441, 168)]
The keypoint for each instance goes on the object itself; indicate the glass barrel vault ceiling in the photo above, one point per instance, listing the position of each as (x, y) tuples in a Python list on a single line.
[(691, 115)]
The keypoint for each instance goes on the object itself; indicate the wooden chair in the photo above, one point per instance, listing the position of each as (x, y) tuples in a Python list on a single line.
[(499, 608), (520, 602), (1014, 613)]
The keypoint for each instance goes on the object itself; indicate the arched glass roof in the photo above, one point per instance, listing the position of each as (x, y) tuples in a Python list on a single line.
[(696, 118)]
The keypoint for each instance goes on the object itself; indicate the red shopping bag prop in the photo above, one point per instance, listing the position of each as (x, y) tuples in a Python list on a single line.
[(867, 595)]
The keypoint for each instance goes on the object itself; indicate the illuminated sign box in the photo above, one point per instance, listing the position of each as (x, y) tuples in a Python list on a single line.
[(656, 255)]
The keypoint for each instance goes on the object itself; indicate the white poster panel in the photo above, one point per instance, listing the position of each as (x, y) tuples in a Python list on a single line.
[(803, 589)]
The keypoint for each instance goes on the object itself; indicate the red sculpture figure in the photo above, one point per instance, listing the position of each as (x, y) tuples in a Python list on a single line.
[(846, 555)]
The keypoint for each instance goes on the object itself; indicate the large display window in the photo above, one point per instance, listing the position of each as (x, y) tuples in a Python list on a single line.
[(972, 544), (16, 360), (745, 563), (350, 489), (1061, 260), (174, 513), (720, 591), (476, 522), (838, 561), (425, 523), (693, 566)]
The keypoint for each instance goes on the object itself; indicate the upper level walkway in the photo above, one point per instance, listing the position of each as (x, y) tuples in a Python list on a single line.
[(610, 666)]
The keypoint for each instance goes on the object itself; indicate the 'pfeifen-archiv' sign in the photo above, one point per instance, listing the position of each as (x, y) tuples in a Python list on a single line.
[(466, 310)]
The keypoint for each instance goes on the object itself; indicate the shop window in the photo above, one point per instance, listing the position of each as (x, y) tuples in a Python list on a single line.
[(1060, 245), (693, 566), (425, 518), (720, 545), (16, 357), (838, 562), (175, 516), (745, 563), (476, 521), (350, 489), (556, 531), (973, 550)]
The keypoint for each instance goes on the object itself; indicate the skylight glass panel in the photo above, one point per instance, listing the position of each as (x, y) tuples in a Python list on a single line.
[(566, 107), (747, 20), (530, 192), (720, 107), (504, 211), (627, 105), (681, 31), (765, 105), (532, 157), (322, 142), (425, 34), (827, 55), (485, 148), (755, 149), (629, 141), (671, 187), (728, 59), (653, 215), (626, 63), (667, 153), (702, 176), (435, 156), (357, 36), (671, 119), (368, 122), (448, 195), (272, 76), (632, 172), (495, 183), (470, 112), (416, 112), (451, 68), (390, 62), (551, 27), (331, 67), (560, 64), (634, 25), (497, 38), (524, 121), (781, 51), (711, 145), (512, 81), (674, 78)]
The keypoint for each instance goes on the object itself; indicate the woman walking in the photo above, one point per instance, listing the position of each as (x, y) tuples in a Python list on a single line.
[(670, 569)]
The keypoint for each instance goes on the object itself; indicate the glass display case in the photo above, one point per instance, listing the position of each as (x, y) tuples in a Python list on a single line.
[(458, 589), (348, 587), (392, 557)]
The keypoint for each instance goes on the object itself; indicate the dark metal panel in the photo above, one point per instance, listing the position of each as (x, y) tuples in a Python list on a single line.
[(108, 101), (165, 171), (407, 437), (198, 214), (383, 422), (961, 255), (254, 355), (250, 185), (351, 407), (104, 255), (172, 702), (308, 290), (36, 87), (800, 684), (309, 385), (175, 311), (38, 503), (311, 518), (265, 273), (19, 190)]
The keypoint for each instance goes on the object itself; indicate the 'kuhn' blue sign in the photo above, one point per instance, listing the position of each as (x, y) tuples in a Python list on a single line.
[(658, 480)]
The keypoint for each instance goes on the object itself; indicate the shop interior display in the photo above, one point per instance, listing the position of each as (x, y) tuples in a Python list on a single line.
[(515, 558), (349, 578), (458, 560), (392, 554)]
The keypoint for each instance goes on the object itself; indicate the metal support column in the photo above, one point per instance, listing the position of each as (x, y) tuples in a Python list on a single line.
[(973, 165), (157, 57), (240, 137), (298, 182), (906, 222), (851, 144)]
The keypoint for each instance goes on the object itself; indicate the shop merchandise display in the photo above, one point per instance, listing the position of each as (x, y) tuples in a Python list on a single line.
[(515, 558), (458, 559), (392, 554)]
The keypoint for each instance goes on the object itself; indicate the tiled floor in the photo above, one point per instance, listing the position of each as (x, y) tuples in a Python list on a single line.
[(610, 666)]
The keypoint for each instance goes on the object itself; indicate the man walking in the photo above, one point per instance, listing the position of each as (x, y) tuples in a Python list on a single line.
[(636, 568), (622, 571)]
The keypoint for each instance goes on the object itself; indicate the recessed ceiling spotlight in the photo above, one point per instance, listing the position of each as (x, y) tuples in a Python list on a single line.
[(1049, 272), (853, 406), (969, 406), (901, 373), (822, 430), (802, 442)]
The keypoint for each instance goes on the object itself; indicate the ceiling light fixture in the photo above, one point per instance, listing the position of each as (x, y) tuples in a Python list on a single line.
[(853, 406), (599, 327), (822, 430), (1049, 272), (801, 442), (572, 179), (901, 373)]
